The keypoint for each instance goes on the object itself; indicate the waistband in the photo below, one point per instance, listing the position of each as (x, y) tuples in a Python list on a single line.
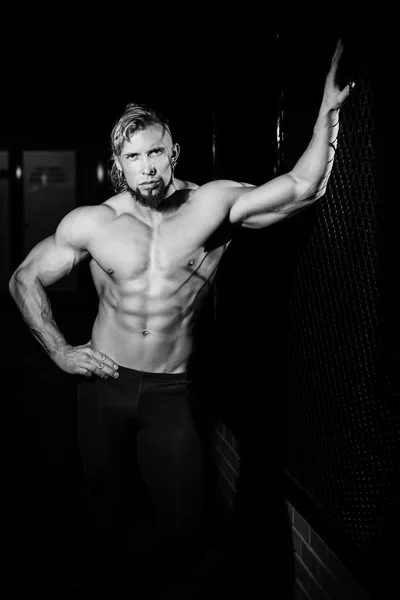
[(126, 374)]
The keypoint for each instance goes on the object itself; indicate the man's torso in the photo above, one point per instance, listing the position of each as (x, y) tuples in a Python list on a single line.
[(152, 279)]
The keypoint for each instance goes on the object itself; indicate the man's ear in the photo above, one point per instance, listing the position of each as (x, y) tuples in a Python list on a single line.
[(175, 151)]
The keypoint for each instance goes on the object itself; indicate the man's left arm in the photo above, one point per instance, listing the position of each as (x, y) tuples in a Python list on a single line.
[(283, 196)]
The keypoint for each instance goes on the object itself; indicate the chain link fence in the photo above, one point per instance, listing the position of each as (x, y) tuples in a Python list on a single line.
[(342, 418)]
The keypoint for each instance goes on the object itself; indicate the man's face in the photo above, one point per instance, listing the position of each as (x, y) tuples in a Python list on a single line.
[(146, 163)]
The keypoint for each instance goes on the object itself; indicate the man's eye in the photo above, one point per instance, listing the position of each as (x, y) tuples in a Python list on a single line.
[(155, 152)]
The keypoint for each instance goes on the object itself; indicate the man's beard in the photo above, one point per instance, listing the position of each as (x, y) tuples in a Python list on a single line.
[(154, 196)]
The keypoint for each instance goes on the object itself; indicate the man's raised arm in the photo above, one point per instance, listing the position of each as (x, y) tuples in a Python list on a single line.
[(288, 193)]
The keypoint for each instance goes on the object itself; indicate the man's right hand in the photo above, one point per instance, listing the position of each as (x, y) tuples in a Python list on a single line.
[(84, 360)]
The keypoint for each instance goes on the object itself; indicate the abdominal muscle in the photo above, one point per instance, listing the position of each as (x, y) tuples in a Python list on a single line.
[(136, 335)]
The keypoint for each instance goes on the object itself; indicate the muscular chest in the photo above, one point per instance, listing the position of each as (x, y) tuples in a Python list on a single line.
[(130, 251)]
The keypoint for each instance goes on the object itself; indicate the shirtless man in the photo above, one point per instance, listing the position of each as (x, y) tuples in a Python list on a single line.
[(152, 264)]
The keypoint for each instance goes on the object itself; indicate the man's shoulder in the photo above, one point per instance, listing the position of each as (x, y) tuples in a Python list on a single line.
[(210, 202), (223, 190), (221, 186), (83, 220), (211, 187)]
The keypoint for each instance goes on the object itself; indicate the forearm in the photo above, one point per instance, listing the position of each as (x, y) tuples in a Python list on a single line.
[(307, 181), (34, 305), (314, 167)]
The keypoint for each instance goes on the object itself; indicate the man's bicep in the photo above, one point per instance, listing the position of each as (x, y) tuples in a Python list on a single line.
[(260, 206), (239, 204), (49, 261), (66, 248)]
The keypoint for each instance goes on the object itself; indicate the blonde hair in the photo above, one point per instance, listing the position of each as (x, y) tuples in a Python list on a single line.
[(136, 117)]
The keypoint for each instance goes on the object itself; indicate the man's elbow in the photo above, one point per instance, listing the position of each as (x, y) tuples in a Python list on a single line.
[(15, 282), (311, 195), (302, 188), (305, 191), (19, 280)]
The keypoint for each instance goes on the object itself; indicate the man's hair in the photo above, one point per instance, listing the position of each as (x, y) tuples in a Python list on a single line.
[(136, 117)]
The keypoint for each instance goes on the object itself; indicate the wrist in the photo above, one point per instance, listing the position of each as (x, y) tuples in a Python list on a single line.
[(57, 352), (328, 114)]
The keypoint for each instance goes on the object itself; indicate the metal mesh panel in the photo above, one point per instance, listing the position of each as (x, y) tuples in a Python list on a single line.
[(342, 427)]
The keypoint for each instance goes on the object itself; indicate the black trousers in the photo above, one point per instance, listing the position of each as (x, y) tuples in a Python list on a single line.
[(142, 427)]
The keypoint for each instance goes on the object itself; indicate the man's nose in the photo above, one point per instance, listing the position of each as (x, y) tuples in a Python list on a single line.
[(147, 167)]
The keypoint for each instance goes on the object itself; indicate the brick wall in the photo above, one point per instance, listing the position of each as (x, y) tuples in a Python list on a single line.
[(319, 574), (226, 454)]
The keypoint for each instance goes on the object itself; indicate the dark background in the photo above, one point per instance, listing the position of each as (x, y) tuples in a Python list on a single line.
[(69, 75)]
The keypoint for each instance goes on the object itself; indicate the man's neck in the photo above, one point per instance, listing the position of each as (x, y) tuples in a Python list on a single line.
[(151, 216)]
